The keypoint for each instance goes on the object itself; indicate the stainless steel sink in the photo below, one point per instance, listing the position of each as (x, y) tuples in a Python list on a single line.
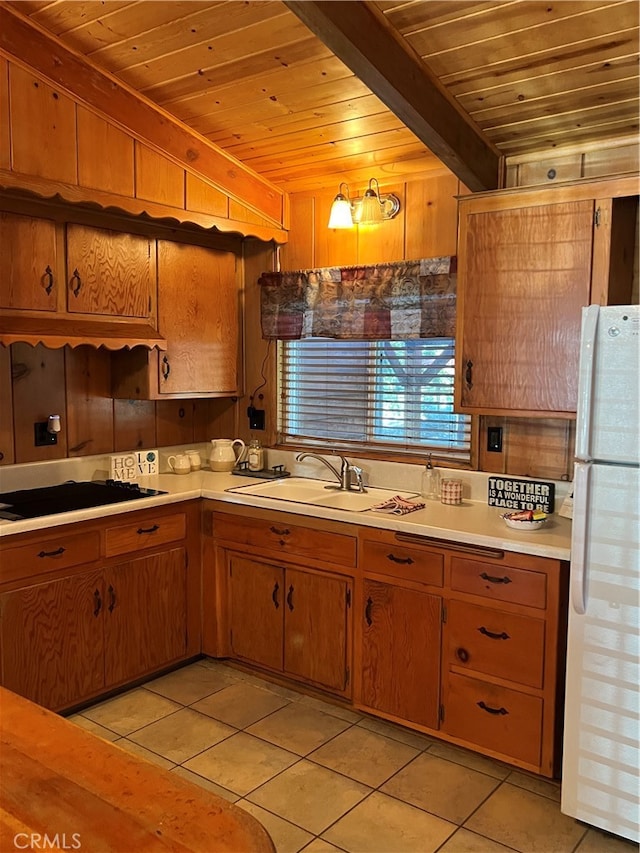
[(319, 493)]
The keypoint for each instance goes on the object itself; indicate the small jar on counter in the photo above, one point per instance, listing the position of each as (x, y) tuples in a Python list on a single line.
[(255, 455)]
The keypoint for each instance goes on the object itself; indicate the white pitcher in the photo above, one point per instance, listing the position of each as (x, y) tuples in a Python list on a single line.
[(223, 457)]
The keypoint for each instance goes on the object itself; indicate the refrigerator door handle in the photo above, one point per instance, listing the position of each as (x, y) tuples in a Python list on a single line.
[(585, 381), (579, 537)]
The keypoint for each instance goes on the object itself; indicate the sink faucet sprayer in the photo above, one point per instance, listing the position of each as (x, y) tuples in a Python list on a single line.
[(344, 475)]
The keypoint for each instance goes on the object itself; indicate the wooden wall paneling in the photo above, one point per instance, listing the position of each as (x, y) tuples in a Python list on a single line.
[(333, 246), (89, 402), (222, 419), (611, 159), (386, 241), (298, 253), (43, 129), (259, 355), (134, 424), (548, 170), (539, 448), (158, 179), (431, 217), (105, 155), (174, 422), (7, 454), (203, 197), (624, 251), (5, 133), (242, 213), (38, 391)]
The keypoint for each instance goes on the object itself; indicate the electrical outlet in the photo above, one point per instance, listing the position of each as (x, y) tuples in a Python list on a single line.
[(42, 436), (494, 439), (256, 418)]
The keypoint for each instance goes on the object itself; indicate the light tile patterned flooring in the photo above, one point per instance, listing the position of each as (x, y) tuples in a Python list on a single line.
[(321, 778)]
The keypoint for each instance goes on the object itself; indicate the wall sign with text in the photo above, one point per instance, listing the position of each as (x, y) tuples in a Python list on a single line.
[(512, 493)]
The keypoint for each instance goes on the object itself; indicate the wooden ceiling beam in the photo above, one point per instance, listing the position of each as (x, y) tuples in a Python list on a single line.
[(358, 34), (30, 45)]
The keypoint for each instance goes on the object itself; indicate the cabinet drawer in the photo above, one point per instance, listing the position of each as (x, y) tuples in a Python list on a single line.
[(496, 718), (152, 531), (496, 643), (286, 538), (49, 555), (502, 583), (414, 564)]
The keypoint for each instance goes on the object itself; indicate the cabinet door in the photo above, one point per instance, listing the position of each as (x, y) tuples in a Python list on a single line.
[(525, 275), (145, 615), (256, 600), (109, 273), (401, 652), (316, 625), (52, 640), (198, 315), (28, 261)]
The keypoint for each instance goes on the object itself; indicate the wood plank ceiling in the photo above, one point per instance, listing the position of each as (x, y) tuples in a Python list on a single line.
[(252, 78)]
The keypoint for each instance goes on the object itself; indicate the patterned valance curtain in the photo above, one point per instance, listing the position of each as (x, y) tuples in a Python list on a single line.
[(398, 301)]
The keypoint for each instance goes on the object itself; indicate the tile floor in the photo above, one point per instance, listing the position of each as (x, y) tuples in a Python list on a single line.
[(323, 779)]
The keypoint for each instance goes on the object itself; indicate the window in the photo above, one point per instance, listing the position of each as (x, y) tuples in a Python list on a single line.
[(378, 395)]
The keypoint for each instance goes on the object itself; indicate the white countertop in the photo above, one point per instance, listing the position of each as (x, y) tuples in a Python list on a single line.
[(474, 522)]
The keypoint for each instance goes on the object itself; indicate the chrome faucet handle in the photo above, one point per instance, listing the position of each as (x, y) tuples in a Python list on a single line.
[(354, 469)]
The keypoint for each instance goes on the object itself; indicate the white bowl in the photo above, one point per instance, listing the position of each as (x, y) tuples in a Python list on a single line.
[(522, 524)]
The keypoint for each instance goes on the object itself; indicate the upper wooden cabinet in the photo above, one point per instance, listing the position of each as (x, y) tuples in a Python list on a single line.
[(199, 317), (109, 272), (528, 262), (29, 275)]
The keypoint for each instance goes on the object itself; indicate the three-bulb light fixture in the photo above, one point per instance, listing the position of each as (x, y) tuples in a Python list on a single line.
[(369, 209)]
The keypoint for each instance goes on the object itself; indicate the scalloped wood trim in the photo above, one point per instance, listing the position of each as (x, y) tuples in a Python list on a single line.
[(56, 332), (110, 203)]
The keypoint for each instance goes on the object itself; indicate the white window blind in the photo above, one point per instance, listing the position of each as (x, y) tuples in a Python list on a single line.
[(385, 395)]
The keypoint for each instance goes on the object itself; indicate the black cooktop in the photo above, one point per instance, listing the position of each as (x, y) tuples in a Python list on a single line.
[(67, 497)]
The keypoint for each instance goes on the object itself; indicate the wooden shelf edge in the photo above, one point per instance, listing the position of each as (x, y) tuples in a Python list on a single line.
[(57, 332), (27, 186)]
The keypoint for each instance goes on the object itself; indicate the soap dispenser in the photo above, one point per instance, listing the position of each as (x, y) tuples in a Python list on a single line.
[(430, 482)]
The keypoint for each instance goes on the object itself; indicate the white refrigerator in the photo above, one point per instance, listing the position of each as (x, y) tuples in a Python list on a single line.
[(601, 758)]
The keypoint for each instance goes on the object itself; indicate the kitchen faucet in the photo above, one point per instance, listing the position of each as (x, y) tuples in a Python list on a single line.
[(343, 476)]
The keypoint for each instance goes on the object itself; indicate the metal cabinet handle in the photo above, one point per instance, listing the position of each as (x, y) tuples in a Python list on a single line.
[(492, 579), (462, 655), (112, 598), (97, 602), (290, 598), (502, 636), (166, 368), (55, 553), (489, 710), (274, 595), (367, 612), (142, 530), (405, 561), (48, 278), (280, 531), (76, 282), (468, 375)]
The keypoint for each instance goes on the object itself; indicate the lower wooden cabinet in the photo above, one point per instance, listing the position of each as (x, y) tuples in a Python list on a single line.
[(401, 652), (462, 642), (69, 632), (289, 620), (145, 615), (52, 640)]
